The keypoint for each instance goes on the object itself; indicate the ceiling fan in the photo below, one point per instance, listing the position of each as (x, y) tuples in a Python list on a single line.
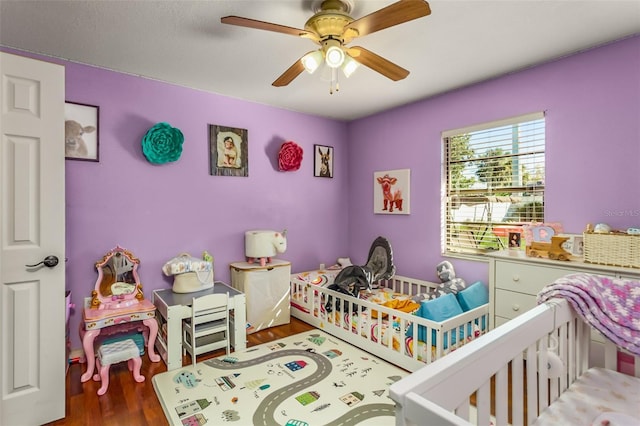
[(332, 28)]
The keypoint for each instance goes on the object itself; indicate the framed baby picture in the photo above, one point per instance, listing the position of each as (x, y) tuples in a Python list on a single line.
[(81, 126), (228, 151)]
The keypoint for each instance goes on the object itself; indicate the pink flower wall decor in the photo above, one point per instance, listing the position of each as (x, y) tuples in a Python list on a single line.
[(289, 157)]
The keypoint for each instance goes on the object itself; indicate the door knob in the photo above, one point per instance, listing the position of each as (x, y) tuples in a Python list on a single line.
[(49, 261)]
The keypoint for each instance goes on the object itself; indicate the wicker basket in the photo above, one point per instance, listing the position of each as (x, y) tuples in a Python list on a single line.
[(612, 249)]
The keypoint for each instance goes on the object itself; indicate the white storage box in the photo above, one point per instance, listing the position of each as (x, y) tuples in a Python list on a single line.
[(267, 291)]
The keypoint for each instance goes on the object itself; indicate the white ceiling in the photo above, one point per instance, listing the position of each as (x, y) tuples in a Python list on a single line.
[(183, 42)]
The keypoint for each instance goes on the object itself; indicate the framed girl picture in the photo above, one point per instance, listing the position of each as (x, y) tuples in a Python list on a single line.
[(323, 161), (515, 240), (228, 151), (81, 126), (391, 192)]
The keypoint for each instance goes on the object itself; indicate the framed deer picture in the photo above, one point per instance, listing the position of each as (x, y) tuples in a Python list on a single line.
[(391, 192), (323, 161)]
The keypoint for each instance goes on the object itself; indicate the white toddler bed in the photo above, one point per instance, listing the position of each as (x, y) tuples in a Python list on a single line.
[(367, 323), (498, 380)]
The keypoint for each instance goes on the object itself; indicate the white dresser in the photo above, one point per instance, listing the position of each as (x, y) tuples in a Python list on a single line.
[(515, 280)]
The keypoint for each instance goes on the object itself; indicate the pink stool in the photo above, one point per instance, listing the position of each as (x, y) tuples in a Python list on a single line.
[(113, 353)]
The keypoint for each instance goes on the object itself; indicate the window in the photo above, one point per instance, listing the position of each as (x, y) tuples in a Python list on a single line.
[(493, 182)]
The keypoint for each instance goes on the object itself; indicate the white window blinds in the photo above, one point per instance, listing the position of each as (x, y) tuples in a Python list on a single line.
[(493, 181)]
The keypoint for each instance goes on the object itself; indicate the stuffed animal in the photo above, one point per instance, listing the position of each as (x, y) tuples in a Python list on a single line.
[(354, 278), (262, 245), (449, 282)]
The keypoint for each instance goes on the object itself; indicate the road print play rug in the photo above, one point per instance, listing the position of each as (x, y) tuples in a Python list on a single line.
[(309, 378)]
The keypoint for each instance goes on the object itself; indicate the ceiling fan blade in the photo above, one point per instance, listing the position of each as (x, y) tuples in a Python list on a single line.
[(267, 26), (292, 72), (377, 63), (397, 13)]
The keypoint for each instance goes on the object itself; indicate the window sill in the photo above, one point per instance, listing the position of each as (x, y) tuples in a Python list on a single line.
[(479, 257)]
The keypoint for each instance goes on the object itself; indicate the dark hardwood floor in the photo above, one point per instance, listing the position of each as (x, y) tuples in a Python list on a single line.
[(128, 403)]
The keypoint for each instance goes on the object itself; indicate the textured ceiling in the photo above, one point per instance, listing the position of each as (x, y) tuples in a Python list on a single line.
[(183, 42)]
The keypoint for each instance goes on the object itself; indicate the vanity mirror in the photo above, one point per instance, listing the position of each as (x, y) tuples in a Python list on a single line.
[(118, 285)]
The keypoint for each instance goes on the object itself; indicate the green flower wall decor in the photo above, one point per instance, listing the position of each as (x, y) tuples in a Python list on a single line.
[(162, 144)]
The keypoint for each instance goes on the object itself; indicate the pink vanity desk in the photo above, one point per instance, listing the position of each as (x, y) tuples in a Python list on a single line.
[(117, 305), (139, 315)]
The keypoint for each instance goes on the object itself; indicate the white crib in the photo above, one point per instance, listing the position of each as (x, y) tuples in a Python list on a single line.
[(356, 325), (496, 379)]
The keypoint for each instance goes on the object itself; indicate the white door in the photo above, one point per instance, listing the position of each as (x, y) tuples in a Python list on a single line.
[(32, 227)]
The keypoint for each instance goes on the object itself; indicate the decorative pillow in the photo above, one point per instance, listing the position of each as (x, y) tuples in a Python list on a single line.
[(438, 309), (441, 308), (473, 296)]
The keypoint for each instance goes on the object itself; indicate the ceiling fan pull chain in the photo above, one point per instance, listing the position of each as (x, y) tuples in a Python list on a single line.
[(334, 81)]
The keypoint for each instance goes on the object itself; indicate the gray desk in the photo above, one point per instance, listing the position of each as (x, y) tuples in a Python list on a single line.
[(174, 307)]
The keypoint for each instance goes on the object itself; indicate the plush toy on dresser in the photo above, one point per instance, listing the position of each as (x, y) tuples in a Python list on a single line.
[(262, 245)]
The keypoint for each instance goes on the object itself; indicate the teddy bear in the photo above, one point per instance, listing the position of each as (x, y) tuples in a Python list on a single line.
[(75, 146), (449, 282)]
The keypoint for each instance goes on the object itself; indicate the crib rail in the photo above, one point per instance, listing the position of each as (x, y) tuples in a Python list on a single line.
[(489, 380), (347, 321), (497, 360)]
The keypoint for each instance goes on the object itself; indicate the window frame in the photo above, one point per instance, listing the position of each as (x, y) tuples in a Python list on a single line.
[(526, 197)]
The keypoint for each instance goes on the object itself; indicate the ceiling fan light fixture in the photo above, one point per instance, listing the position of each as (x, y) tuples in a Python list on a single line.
[(334, 56), (349, 66), (333, 29), (311, 61)]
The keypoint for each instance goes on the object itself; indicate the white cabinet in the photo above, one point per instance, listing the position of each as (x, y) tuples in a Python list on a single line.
[(515, 280), (267, 291)]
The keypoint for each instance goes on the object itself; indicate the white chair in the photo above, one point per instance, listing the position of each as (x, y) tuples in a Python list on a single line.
[(208, 328)]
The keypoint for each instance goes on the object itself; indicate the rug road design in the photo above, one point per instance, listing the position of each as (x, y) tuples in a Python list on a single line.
[(306, 379)]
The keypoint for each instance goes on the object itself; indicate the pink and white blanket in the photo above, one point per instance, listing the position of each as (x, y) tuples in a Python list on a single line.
[(610, 305)]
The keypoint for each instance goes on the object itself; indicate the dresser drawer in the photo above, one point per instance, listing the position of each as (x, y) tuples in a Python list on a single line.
[(500, 321), (516, 276), (510, 304)]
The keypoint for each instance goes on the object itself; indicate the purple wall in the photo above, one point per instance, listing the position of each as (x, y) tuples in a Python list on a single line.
[(593, 144), (592, 101), (159, 211)]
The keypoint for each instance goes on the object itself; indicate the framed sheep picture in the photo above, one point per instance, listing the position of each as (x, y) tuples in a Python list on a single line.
[(81, 131)]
